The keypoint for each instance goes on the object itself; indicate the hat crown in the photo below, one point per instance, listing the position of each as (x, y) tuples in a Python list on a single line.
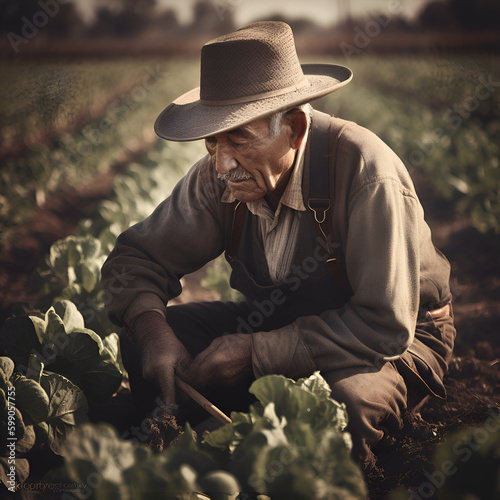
[(254, 62)]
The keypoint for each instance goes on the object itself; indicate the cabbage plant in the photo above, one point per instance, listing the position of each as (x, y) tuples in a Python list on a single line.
[(72, 271), (291, 444), (61, 342), (37, 411)]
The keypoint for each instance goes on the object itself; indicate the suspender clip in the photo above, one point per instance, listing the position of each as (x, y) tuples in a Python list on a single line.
[(319, 206)]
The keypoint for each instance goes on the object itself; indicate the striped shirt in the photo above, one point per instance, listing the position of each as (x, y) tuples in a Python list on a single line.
[(279, 230)]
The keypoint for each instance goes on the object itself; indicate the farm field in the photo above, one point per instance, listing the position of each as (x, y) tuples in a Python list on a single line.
[(79, 164)]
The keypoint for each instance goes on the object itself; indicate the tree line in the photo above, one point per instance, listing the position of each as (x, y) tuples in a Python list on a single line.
[(126, 18)]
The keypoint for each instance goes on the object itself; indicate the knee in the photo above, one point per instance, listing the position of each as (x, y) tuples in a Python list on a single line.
[(356, 406), (372, 400)]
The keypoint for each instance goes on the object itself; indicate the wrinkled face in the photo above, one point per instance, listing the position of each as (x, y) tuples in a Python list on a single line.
[(249, 161)]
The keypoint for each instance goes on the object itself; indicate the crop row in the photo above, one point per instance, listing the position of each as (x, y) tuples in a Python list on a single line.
[(440, 83), (42, 98), (456, 148), (75, 158)]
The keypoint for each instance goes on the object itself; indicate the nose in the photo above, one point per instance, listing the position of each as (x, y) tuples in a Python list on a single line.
[(224, 159)]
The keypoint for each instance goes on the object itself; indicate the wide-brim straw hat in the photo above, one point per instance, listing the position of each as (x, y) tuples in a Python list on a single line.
[(245, 75)]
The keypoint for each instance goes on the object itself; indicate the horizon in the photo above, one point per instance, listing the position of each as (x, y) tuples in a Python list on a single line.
[(322, 12)]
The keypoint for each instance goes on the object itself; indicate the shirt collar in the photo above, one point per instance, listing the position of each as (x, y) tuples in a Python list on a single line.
[(292, 196)]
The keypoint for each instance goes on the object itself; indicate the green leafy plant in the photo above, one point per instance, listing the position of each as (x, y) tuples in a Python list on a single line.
[(37, 412), (217, 279), (61, 341), (468, 464), (123, 470), (457, 151), (291, 444), (72, 271)]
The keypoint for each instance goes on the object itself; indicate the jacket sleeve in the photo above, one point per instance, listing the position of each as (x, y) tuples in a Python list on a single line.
[(144, 269), (382, 254)]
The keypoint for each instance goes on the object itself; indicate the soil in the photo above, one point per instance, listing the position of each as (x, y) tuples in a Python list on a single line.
[(472, 382), (473, 378), (162, 429)]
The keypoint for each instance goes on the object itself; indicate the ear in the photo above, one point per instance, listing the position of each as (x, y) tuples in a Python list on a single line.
[(297, 121)]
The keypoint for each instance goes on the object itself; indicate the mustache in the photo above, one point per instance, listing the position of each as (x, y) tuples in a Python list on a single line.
[(235, 175)]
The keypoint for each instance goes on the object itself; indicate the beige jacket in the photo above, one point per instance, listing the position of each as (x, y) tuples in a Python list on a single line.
[(393, 267)]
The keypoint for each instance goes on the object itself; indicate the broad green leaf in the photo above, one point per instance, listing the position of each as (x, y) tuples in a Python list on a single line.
[(67, 408), (71, 250), (273, 427), (289, 399), (90, 333), (71, 277), (111, 347), (272, 388), (70, 315), (125, 469), (221, 437), (274, 470), (75, 263), (6, 371), (337, 473), (100, 448), (303, 436), (68, 348), (306, 399), (26, 443), (66, 312), (149, 480), (54, 329), (81, 362), (31, 399), (89, 276), (315, 384)]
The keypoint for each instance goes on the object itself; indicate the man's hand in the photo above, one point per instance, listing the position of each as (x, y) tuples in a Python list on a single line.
[(161, 352), (225, 361)]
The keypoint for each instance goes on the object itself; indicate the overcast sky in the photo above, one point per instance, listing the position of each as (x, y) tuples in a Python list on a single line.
[(321, 11), (325, 12)]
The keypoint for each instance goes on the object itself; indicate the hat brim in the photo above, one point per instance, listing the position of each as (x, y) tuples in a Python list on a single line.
[(187, 119)]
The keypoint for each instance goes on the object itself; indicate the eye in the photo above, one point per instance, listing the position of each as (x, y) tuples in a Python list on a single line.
[(236, 145)]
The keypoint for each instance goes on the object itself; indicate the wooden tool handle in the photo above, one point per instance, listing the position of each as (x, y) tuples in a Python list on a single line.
[(202, 401)]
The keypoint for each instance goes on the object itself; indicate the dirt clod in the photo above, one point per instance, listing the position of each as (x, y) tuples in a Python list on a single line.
[(163, 430)]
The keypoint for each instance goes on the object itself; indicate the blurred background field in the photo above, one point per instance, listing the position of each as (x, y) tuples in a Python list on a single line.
[(81, 84), (62, 123)]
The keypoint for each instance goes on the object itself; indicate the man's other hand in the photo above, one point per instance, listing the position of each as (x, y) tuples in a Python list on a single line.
[(161, 352), (225, 361)]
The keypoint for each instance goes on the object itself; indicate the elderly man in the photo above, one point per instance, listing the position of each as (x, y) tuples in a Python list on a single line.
[(326, 239)]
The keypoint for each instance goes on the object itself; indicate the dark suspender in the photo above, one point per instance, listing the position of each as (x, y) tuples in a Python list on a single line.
[(318, 201), (319, 194), (239, 214)]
